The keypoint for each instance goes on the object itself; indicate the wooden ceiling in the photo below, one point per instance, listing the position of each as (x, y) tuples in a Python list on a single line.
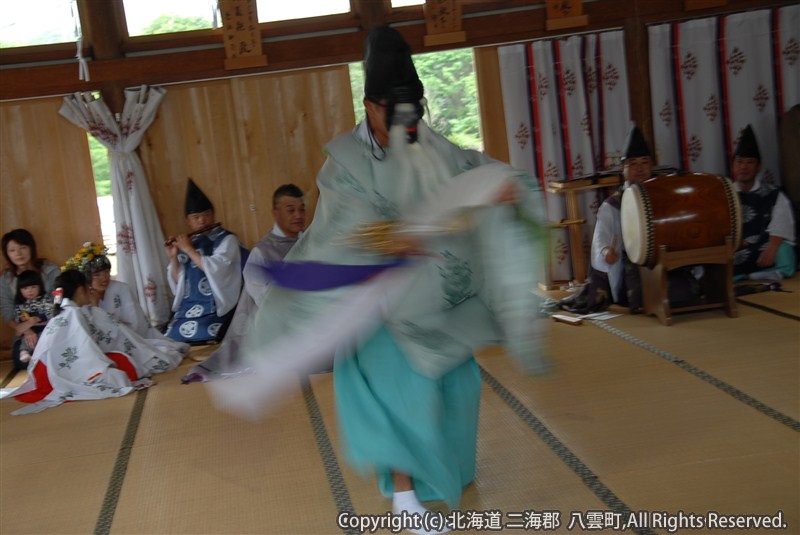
[(118, 61)]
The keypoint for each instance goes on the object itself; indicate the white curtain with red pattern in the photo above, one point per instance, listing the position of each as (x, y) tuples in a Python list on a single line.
[(556, 94), (711, 77), (141, 258)]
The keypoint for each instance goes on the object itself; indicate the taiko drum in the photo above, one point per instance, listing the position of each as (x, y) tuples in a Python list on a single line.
[(682, 211)]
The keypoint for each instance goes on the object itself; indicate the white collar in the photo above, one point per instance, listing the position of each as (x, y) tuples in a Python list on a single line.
[(756, 184), (280, 233)]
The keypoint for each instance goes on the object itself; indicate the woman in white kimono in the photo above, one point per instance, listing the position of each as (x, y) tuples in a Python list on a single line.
[(113, 296), (84, 353)]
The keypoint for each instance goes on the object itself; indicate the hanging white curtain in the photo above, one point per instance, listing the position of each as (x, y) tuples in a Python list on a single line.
[(555, 93), (141, 258), (712, 77)]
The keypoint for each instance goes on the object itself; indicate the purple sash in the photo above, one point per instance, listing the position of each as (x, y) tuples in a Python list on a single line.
[(315, 276)]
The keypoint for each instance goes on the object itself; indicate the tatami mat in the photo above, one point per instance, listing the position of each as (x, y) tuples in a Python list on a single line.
[(787, 301), (757, 352), (55, 466), (633, 417)]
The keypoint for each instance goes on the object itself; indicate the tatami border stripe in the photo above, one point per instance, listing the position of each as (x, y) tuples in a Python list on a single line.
[(697, 372), (770, 310), (341, 496), (7, 379), (109, 507), (588, 477)]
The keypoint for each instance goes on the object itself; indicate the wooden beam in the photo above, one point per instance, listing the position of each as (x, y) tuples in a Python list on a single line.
[(371, 12), (336, 47)]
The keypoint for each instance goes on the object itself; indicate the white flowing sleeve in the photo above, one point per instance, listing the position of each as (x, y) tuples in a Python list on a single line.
[(606, 234), (223, 269), (129, 311), (178, 287), (782, 222)]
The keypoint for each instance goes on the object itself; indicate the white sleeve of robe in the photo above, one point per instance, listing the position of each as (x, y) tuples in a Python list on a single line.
[(178, 287), (121, 302), (608, 233), (782, 222)]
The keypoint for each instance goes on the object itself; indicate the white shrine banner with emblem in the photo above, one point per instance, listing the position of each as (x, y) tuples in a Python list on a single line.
[(711, 77), (662, 97), (556, 93), (140, 241), (788, 52)]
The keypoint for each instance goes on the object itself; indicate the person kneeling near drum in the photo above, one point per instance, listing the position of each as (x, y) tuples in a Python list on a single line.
[(768, 230), (614, 279)]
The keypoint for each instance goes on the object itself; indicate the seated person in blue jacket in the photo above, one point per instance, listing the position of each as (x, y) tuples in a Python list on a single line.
[(768, 231), (204, 273)]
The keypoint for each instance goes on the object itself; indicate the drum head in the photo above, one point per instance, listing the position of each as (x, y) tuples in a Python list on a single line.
[(634, 225)]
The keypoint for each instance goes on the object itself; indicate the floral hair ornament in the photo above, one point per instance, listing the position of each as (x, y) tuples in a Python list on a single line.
[(58, 295), (90, 257)]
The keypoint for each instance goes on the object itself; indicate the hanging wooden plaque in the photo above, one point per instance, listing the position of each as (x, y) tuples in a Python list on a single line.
[(443, 22), (563, 14), (241, 34)]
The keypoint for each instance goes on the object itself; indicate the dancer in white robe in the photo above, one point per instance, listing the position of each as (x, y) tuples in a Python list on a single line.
[(407, 386)]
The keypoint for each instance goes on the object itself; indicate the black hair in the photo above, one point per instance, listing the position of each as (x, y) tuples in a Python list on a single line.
[(22, 237), (95, 265), (68, 282), (287, 190), (25, 279)]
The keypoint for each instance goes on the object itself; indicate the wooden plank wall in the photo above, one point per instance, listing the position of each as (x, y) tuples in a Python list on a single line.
[(46, 180), (239, 139)]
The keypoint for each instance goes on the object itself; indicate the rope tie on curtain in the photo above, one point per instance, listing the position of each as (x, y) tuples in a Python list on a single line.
[(83, 65)]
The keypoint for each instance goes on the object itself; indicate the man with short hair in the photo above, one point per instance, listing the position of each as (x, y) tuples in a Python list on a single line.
[(768, 231)]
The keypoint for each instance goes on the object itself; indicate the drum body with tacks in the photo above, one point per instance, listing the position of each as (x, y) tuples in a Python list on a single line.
[(680, 211)]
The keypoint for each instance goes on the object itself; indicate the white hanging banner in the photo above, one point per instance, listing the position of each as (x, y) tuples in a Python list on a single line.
[(140, 241)]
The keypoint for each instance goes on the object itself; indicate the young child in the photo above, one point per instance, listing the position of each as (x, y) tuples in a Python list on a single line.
[(34, 306)]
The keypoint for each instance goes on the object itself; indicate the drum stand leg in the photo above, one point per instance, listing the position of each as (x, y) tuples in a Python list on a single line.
[(654, 289), (718, 264)]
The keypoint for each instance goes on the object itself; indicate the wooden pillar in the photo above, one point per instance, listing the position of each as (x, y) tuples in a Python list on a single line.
[(490, 98), (371, 12), (103, 32), (637, 64)]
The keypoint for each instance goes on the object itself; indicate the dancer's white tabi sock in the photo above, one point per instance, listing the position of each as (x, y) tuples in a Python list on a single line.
[(407, 501)]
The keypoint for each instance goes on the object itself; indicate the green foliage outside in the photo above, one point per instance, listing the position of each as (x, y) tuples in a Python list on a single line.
[(166, 23), (102, 172), (451, 91), (45, 37)]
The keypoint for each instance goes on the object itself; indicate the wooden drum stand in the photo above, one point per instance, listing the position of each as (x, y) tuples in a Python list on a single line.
[(678, 220), (718, 264)]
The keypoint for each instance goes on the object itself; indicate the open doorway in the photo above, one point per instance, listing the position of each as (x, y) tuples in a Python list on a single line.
[(105, 203)]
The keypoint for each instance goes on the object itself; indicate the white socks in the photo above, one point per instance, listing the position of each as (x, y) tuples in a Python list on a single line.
[(407, 501)]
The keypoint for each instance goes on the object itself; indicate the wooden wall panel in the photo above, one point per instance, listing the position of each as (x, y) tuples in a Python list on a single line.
[(241, 138), (46, 180)]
